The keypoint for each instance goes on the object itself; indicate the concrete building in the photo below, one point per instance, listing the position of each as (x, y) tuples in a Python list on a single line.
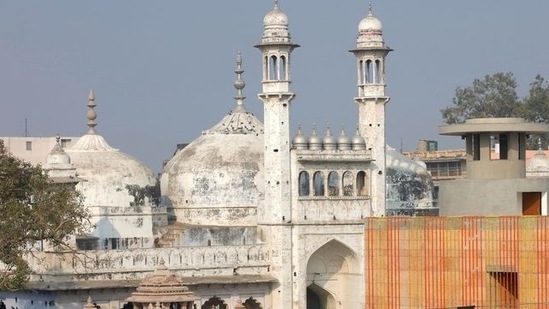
[(254, 214), (500, 176)]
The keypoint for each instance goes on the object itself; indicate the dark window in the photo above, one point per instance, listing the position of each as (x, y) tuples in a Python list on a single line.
[(304, 184)]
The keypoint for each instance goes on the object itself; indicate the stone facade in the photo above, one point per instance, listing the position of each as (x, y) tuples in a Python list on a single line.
[(247, 215)]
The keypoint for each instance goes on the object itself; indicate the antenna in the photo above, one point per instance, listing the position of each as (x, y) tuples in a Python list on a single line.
[(26, 128)]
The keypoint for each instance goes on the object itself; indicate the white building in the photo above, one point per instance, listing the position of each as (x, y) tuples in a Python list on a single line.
[(256, 217)]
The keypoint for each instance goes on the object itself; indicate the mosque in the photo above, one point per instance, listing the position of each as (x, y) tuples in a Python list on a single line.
[(246, 214)]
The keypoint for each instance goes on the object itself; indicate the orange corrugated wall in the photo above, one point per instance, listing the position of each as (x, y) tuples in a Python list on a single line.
[(446, 262)]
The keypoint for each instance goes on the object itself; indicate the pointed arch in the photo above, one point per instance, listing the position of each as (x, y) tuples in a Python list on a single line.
[(369, 72), (273, 69), (330, 267), (318, 298), (283, 68), (377, 72)]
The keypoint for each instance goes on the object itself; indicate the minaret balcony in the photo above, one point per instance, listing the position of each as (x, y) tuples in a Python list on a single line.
[(276, 86), (372, 90)]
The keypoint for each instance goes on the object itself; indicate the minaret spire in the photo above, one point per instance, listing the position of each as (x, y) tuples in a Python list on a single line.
[(91, 115), (239, 84)]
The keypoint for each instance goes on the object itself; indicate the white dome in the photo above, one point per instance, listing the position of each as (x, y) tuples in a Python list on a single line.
[(370, 23), (539, 164), (107, 172), (275, 18), (370, 32), (218, 178), (57, 157)]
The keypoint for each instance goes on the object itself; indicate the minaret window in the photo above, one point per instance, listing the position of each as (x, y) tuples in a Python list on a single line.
[(282, 69), (273, 70), (333, 184), (347, 182), (318, 184), (361, 184), (266, 68), (377, 72), (369, 72), (304, 184), (361, 73)]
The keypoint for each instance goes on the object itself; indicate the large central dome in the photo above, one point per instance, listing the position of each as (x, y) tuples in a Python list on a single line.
[(217, 179)]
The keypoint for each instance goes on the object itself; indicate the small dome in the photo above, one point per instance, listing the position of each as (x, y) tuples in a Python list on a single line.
[(370, 23), (275, 18), (343, 142), (370, 32), (275, 27), (315, 143), (329, 141), (300, 141), (58, 164), (539, 164), (358, 142), (57, 157)]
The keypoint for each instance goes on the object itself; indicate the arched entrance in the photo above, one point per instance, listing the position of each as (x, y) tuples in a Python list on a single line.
[(318, 298), (333, 276)]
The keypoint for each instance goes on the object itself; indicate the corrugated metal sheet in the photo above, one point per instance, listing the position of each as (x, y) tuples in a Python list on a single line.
[(439, 262)]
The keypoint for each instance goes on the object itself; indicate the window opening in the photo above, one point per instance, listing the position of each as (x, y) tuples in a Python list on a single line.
[(304, 184), (348, 184), (282, 72), (475, 147), (369, 72), (333, 184), (361, 184), (273, 70), (362, 72), (318, 183), (377, 72)]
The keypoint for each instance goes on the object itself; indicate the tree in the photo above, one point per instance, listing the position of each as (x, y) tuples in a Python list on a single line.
[(535, 108), (33, 210), (494, 96)]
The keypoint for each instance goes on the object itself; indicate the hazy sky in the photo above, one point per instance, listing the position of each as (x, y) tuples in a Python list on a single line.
[(162, 71)]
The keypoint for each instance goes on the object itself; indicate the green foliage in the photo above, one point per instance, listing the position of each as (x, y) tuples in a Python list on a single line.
[(496, 96), (139, 194), (535, 108), (33, 211)]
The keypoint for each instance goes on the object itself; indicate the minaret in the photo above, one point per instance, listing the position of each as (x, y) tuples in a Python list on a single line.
[(274, 214), (371, 52), (276, 48)]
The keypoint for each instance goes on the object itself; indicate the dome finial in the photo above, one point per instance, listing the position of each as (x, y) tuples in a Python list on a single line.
[(370, 7), (91, 115), (239, 84), (276, 4)]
